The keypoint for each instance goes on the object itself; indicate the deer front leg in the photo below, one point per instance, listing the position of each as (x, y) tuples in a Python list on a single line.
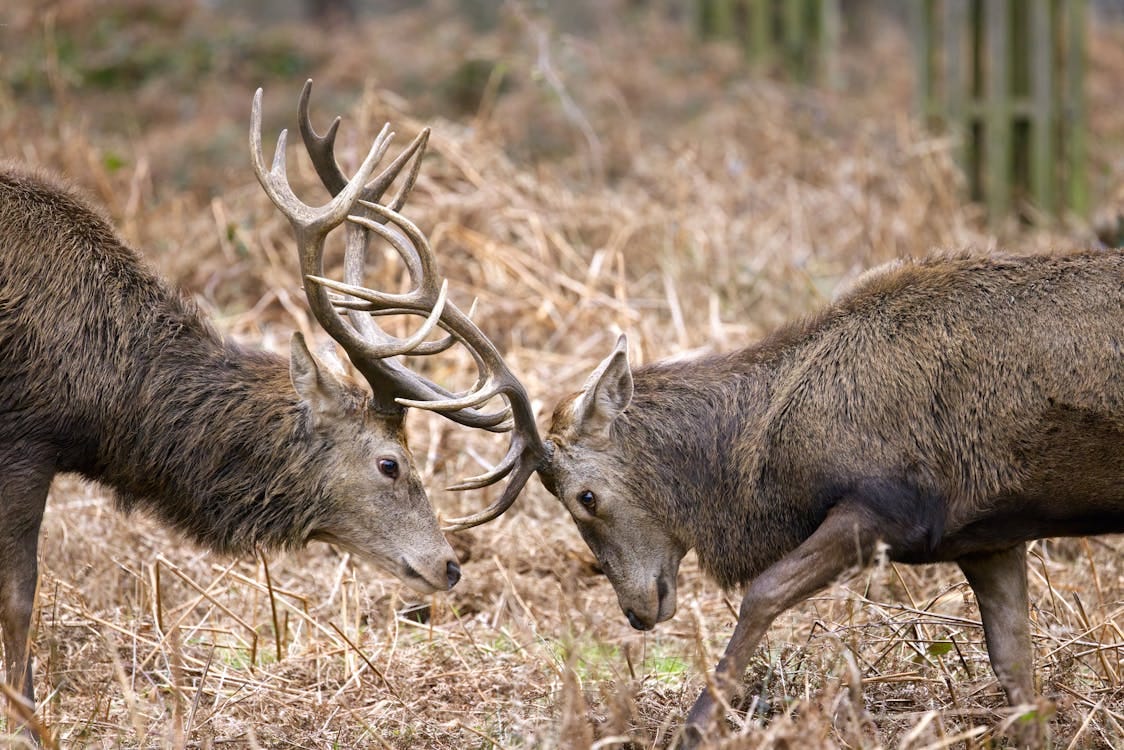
[(23, 494), (999, 582), (843, 540)]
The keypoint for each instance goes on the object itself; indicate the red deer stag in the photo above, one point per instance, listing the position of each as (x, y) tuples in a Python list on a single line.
[(954, 408), (109, 373)]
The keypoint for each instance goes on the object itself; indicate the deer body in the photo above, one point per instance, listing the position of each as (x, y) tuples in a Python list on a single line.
[(109, 373), (954, 408), (953, 393), (106, 372)]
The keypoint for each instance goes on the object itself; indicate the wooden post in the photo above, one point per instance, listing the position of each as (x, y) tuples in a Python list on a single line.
[(997, 118), (760, 37), (955, 28), (715, 18), (799, 34), (1042, 108), (921, 23), (793, 35), (1077, 184), (832, 30), (1005, 78), (724, 18)]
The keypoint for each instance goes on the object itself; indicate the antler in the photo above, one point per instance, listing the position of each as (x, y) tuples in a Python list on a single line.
[(527, 451), (321, 150), (370, 348)]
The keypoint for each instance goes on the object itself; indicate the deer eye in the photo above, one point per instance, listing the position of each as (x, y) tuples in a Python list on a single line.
[(587, 500), (388, 467)]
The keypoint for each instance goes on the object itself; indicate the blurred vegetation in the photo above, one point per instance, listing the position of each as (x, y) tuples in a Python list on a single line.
[(594, 168)]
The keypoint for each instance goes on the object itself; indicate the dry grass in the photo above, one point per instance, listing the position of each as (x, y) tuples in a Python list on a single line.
[(627, 180)]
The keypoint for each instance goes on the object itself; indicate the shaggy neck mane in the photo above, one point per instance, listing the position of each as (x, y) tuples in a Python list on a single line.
[(213, 440), (129, 385), (683, 419)]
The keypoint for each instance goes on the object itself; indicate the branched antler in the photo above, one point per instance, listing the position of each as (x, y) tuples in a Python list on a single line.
[(526, 452), (370, 348)]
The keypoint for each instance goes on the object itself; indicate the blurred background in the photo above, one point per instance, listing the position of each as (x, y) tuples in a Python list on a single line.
[(691, 173)]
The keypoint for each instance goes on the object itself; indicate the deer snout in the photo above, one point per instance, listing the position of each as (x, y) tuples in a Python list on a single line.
[(651, 604), (438, 573), (636, 622)]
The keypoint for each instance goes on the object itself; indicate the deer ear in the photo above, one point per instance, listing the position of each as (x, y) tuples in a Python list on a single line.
[(312, 381), (606, 394)]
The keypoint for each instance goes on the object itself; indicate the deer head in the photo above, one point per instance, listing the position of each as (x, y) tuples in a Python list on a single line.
[(377, 504)]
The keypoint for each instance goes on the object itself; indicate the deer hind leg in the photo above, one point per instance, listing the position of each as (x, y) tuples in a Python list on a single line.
[(846, 538), (999, 582), (24, 482)]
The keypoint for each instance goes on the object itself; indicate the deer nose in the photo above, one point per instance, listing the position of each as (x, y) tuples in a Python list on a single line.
[(636, 622), (452, 573)]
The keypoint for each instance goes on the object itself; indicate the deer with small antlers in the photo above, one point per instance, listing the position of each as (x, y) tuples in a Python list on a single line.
[(108, 373), (954, 408)]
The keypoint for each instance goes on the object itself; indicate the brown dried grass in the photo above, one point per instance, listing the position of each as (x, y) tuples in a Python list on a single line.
[(625, 181)]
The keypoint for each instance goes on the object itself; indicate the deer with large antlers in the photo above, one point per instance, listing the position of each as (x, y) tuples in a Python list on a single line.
[(108, 373), (954, 408)]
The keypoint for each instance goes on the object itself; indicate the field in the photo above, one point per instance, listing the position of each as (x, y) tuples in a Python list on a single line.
[(593, 172)]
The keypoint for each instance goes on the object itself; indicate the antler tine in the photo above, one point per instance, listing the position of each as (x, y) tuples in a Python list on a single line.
[(347, 303), (368, 346), (436, 347), (415, 251), (321, 149), (499, 507), (310, 222), (496, 473), (358, 237), (426, 394), (419, 263), (498, 421), (428, 347), (419, 300), (311, 227)]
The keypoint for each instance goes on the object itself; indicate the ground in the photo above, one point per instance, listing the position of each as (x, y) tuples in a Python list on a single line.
[(589, 174)]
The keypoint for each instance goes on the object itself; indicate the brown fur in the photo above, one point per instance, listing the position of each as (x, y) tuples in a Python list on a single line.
[(107, 372), (954, 407)]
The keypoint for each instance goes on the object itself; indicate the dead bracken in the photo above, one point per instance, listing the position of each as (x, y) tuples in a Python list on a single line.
[(727, 204)]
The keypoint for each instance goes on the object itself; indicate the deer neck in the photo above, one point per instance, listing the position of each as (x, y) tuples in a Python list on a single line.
[(701, 422), (214, 441)]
